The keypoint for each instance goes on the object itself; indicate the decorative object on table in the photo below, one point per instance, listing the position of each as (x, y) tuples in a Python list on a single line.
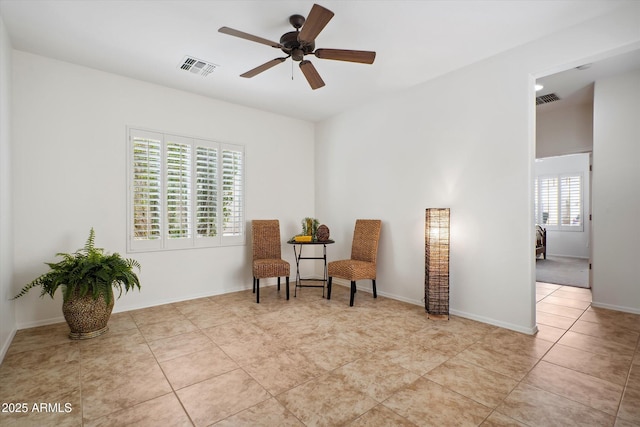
[(362, 264), (302, 238), (310, 227), (322, 234), (267, 254), (87, 277), (436, 252)]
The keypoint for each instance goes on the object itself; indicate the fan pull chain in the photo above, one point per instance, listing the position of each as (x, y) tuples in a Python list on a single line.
[(291, 70)]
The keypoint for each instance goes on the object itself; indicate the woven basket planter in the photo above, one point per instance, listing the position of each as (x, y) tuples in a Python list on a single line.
[(87, 317)]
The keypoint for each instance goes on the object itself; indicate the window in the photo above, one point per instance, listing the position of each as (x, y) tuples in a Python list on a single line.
[(558, 201), (184, 192)]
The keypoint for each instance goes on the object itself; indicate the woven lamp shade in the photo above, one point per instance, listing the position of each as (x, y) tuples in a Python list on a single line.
[(436, 272)]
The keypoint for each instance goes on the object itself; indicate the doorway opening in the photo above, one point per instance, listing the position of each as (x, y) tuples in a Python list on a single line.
[(564, 128), (561, 210)]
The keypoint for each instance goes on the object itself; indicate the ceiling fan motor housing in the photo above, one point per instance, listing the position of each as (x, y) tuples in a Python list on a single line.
[(292, 46)]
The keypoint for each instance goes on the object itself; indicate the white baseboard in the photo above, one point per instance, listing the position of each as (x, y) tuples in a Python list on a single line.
[(490, 321), (7, 343), (336, 281), (180, 299), (119, 308), (568, 256), (494, 322), (615, 307), (43, 322)]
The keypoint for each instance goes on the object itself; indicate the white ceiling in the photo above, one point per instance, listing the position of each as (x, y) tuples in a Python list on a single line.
[(415, 41), (575, 86)]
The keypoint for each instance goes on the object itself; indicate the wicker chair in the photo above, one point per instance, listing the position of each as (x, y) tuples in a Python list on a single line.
[(267, 257), (364, 251)]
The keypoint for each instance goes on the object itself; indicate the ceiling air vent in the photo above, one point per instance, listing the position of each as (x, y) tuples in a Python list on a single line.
[(197, 66), (545, 99)]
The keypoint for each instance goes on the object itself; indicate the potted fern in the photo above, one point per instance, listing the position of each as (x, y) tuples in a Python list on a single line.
[(87, 278)]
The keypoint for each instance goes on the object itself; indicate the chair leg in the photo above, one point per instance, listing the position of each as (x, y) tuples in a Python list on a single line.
[(254, 284), (375, 294), (287, 286), (258, 291), (278, 284), (329, 287), (353, 292)]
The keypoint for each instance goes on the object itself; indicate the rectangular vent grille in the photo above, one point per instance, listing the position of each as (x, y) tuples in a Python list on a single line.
[(197, 66), (545, 99)]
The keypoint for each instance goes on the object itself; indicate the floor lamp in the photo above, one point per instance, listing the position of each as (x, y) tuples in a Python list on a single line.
[(436, 271)]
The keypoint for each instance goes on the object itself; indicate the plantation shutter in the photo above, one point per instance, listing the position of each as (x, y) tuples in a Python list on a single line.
[(558, 202), (178, 179), (183, 192), (146, 190), (571, 200), (548, 192), (206, 192), (232, 192)]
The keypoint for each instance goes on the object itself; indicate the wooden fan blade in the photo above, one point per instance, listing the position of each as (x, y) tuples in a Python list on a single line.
[(311, 74), (360, 56), (318, 18), (250, 37), (263, 67)]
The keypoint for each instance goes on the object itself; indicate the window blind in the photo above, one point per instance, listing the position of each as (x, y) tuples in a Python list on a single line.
[(147, 190), (206, 191), (184, 192), (549, 200), (232, 193), (571, 200), (558, 201), (178, 167)]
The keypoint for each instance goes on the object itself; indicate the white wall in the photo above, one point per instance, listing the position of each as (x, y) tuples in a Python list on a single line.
[(616, 193), (69, 128), (564, 130), (570, 243), (7, 315), (464, 141)]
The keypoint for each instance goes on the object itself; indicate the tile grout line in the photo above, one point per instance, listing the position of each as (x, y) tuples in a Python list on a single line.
[(557, 342), (626, 384), (628, 372), (239, 367), (521, 381), (381, 403), (173, 390)]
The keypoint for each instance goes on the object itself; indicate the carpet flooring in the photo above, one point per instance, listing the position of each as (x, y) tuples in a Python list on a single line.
[(563, 271)]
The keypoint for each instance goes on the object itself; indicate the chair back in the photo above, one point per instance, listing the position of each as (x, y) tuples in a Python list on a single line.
[(265, 234), (365, 240)]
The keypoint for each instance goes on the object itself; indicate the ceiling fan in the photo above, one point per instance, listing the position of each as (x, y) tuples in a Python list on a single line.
[(296, 44)]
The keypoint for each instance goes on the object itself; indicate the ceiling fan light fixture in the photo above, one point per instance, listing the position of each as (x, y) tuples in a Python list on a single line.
[(297, 54)]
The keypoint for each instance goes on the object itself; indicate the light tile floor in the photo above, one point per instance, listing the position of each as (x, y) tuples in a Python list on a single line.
[(227, 361)]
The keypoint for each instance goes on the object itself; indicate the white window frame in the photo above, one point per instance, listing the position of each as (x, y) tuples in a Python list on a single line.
[(191, 238), (561, 191)]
